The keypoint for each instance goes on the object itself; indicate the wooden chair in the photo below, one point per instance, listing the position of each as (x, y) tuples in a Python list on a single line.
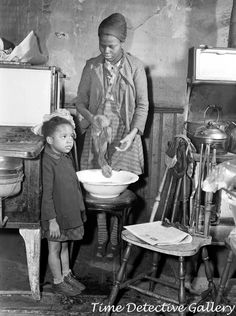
[(173, 208)]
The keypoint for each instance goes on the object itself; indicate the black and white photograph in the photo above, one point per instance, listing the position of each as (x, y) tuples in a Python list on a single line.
[(117, 157)]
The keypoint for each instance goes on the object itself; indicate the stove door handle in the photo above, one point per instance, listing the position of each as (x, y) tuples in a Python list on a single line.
[(2, 220)]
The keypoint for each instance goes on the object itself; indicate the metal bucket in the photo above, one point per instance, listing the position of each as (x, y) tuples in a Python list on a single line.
[(11, 176)]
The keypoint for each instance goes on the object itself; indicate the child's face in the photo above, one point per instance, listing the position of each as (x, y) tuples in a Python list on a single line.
[(62, 139)]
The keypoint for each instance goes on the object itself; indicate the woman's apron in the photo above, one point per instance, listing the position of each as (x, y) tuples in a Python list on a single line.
[(129, 160)]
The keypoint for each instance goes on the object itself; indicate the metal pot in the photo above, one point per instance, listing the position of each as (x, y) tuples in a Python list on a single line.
[(213, 135), (10, 165), (11, 175)]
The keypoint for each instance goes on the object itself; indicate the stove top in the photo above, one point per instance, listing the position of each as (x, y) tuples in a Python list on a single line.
[(20, 141)]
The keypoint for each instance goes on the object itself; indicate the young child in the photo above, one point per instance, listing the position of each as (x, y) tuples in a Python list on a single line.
[(62, 212)]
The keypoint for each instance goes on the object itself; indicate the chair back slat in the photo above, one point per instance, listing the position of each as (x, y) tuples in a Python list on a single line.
[(164, 209), (173, 189), (172, 204), (177, 193)]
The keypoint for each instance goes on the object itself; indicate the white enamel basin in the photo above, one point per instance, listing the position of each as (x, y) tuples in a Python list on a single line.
[(99, 186)]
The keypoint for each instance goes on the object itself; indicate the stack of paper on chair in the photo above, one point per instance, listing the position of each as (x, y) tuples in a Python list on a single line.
[(155, 233)]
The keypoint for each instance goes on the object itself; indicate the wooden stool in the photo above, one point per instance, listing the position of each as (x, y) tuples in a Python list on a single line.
[(119, 206)]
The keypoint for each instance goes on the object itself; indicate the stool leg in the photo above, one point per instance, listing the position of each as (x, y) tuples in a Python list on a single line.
[(224, 278), (119, 278), (154, 270), (119, 239), (182, 294), (122, 224)]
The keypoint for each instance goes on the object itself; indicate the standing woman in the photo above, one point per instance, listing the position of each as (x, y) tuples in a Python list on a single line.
[(113, 84)]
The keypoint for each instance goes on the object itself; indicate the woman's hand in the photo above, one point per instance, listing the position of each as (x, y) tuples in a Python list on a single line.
[(54, 229), (100, 121), (127, 141), (96, 123)]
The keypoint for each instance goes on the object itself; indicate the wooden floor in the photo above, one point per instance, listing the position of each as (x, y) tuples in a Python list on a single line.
[(97, 275), (130, 304)]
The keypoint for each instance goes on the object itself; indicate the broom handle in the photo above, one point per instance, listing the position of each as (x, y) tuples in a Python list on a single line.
[(158, 198), (198, 194)]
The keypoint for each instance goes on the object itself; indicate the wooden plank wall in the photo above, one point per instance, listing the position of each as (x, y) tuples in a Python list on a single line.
[(164, 124)]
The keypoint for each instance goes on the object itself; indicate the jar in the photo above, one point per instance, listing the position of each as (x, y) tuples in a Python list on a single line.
[(231, 131)]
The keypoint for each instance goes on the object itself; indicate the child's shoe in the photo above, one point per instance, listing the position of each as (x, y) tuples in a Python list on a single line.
[(65, 288), (72, 280)]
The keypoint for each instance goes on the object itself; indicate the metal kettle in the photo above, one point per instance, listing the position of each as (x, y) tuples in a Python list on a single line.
[(211, 133)]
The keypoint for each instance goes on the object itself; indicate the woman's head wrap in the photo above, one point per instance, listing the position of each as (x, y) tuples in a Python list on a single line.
[(114, 25)]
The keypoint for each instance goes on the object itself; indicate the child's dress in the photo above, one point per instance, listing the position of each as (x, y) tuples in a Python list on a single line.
[(62, 198)]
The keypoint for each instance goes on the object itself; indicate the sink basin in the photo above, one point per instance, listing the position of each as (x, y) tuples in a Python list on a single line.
[(11, 175), (99, 186)]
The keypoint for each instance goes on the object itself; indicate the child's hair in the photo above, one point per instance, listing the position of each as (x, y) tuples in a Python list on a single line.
[(50, 126)]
